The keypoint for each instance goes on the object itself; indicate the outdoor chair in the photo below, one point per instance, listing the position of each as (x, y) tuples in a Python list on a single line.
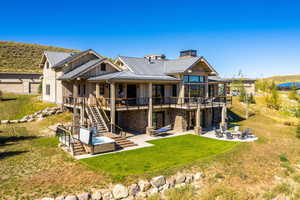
[(236, 129), (218, 134), (223, 129), (249, 132), (243, 135), (229, 135)]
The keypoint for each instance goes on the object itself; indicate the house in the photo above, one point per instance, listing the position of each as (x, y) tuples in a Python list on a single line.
[(135, 94), (20, 83), (236, 84)]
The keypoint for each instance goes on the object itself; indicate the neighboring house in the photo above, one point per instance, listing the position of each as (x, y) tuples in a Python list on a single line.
[(136, 94), (20, 83), (236, 85)]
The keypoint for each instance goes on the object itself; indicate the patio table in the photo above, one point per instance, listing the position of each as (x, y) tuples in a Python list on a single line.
[(236, 133)]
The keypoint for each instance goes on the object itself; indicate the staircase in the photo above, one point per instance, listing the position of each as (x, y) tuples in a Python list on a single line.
[(78, 148), (97, 119), (122, 142)]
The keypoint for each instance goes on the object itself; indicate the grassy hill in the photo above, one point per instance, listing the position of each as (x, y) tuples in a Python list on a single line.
[(286, 78), (23, 57)]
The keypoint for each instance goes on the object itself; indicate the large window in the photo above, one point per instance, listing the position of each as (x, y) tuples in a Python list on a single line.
[(193, 79), (47, 89), (194, 90), (103, 67)]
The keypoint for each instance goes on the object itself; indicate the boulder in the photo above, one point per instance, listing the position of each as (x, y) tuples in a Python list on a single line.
[(58, 112), (14, 121), (189, 178), (180, 178), (84, 196), (152, 191), (47, 198), (198, 176), (23, 120), (144, 185), (141, 195), (180, 185), (120, 191), (133, 189), (107, 195), (4, 121), (158, 181), (30, 120), (164, 188), (60, 198), (96, 195), (71, 197)]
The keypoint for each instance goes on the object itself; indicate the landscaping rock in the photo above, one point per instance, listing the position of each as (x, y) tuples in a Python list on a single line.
[(189, 178), (144, 185), (71, 197), (164, 187), (60, 198), (152, 191), (198, 176), (14, 121), (133, 189), (158, 181), (47, 198), (84, 196), (141, 195), (107, 195), (180, 178), (120, 191), (180, 185), (30, 120), (96, 195), (4, 121)]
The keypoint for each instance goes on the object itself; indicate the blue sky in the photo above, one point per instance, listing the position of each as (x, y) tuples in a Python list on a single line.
[(261, 38)]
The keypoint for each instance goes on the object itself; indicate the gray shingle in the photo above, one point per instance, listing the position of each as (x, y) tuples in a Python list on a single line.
[(55, 57), (81, 69)]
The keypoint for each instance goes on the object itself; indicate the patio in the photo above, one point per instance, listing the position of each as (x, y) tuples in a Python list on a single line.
[(142, 140)]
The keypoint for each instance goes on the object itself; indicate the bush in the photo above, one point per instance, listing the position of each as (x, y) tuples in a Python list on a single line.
[(273, 100), (298, 131), (283, 158), (293, 94), (1, 94)]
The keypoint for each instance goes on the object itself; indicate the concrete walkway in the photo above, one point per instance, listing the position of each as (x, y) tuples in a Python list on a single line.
[(211, 134)]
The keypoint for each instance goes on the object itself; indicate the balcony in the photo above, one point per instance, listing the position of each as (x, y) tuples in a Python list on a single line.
[(143, 103)]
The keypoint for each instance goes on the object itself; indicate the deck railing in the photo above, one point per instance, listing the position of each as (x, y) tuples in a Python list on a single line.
[(156, 101)]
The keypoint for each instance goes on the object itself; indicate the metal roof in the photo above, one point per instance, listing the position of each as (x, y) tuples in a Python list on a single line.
[(81, 69), (160, 67), (54, 57), (127, 75)]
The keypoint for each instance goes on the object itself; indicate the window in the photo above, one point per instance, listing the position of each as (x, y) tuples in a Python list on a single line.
[(193, 79), (103, 67), (47, 89), (84, 88)]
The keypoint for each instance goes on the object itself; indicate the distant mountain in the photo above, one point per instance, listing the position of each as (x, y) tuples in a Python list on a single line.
[(286, 78), (23, 57)]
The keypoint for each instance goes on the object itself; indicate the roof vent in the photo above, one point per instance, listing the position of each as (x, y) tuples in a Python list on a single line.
[(155, 56), (188, 53)]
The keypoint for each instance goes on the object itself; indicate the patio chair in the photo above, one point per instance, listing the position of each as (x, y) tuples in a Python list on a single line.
[(236, 129), (249, 132), (243, 135), (229, 135), (223, 129), (218, 134)]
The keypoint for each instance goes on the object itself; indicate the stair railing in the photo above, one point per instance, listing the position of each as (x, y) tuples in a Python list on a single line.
[(117, 128)]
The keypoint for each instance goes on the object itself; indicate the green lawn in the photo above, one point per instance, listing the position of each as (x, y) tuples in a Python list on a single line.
[(167, 153), (15, 106)]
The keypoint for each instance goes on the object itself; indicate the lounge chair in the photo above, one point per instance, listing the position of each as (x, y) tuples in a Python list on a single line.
[(244, 135), (218, 134), (249, 132)]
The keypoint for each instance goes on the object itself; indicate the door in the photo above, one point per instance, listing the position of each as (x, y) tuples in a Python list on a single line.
[(131, 94), (191, 120)]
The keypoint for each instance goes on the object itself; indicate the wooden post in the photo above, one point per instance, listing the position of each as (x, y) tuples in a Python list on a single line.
[(113, 106), (97, 90), (149, 129), (206, 87)]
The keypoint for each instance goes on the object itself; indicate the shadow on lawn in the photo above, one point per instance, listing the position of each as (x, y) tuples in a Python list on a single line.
[(10, 153), (6, 139), (233, 117), (8, 99)]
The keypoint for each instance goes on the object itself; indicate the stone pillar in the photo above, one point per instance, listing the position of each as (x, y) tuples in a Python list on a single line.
[(181, 93), (198, 129), (113, 106), (223, 116), (149, 129), (75, 89)]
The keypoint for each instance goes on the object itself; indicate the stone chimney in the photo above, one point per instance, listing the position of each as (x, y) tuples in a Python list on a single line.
[(188, 53)]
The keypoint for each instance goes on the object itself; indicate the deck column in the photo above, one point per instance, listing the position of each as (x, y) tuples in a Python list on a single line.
[(97, 90), (223, 116), (206, 87), (181, 93), (113, 106), (149, 129), (198, 129)]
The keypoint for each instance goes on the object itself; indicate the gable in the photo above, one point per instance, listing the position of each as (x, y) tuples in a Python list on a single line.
[(202, 66)]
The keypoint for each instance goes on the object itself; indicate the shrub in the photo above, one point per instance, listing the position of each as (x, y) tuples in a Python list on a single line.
[(298, 131), (1, 94), (283, 158), (273, 100), (293, 94)]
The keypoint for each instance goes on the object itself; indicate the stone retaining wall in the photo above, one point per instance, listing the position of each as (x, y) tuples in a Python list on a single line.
[(140, 190)]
